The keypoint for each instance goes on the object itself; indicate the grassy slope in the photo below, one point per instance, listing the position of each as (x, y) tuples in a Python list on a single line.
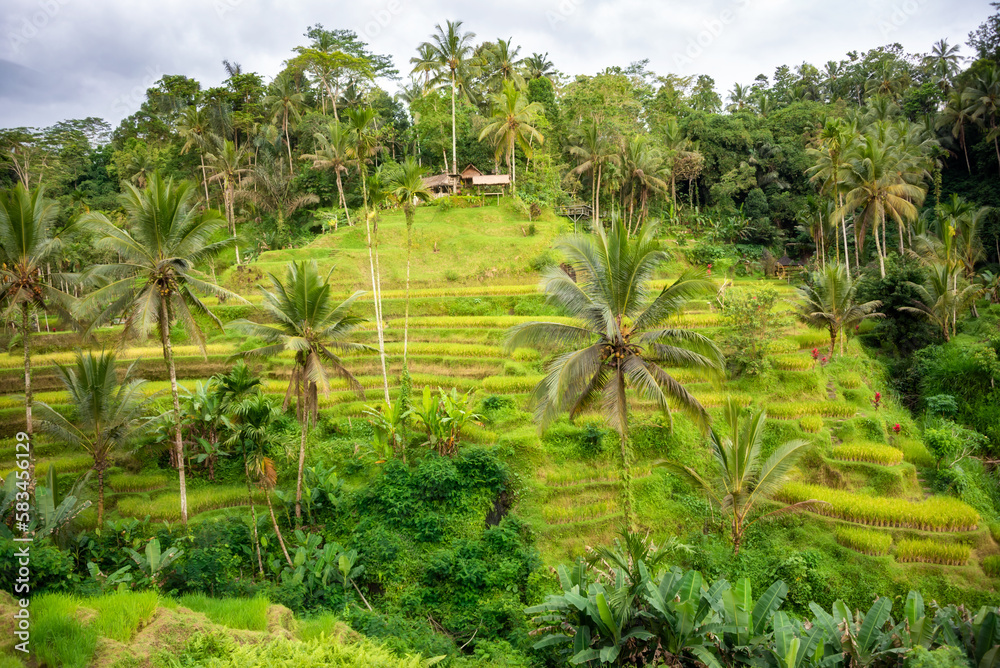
[(467, 294)]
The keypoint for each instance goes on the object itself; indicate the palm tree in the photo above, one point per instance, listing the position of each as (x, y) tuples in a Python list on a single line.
[(739, 97), (956, 115), (333, 152), (446, 54), (643, 171), (837, 139), (254, 436), (227, 164), (594, 153), (193, 127), (365, 146), (829, 301), (26, 246), (499, 63), (309, 324), (742, 480), (407, 186), (154, 284), (270, 188), (511, 126), (982, 100), (285, 102), (943, 63), (940, 298), (538, 65), (875, 184), (622, 340), (109, 415)]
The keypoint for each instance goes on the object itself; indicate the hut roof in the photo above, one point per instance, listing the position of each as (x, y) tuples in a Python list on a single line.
[(471, 171), (786, 261), (439, 181), (491, 180)]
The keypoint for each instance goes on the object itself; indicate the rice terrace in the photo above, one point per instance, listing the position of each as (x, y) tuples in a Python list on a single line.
[(399, 346)]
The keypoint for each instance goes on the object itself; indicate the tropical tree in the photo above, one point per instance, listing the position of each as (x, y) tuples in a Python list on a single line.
[(155, 284), (642, 172), (594, 152), (499, 63), (742, 479), (310, 324), (943, 62), (829, 302), (836, 141), (194, 128), (284, 104), (27, 244), (271, 189), (940, 298), (447, 54), (538, 65), (407, 186), (364, 136), (254, 436), (955, 116), (511, 125), (333, 152), (982, 100), (228, 165), (109, 415), (623, 339)]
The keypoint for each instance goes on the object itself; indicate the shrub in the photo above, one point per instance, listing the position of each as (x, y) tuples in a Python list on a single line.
[(750, 327), (995, 531), (932, 551), (811, 423), (991, 565), (938, 513), (865, 541), (915, 452), (873, 453)]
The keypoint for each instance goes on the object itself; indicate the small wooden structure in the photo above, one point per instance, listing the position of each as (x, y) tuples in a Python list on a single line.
[(441, 185), (575, 212), (787, 267)]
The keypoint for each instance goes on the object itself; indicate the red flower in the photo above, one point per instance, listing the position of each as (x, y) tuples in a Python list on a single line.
[(896, 428), (815, 353)]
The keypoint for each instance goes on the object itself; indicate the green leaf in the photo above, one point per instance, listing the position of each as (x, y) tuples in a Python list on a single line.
[(873, 623), (767, 604)]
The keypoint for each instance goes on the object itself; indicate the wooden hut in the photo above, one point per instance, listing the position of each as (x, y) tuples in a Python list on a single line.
[(441, 185), (787, 267)]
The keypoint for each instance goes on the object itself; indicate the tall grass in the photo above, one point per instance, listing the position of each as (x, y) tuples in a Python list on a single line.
[(938, 513), (138, 482), (915, 452), (865, 541), (797, 409), (991, 565), (873, 453), (932, 551), (58, 637), (168, 506), (249, 614), (811, 423), (122, 614)]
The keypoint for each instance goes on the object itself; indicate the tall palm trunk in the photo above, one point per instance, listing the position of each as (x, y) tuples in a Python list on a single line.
[(253, 514), (454, 137), (288, 144), (376, 289), (302, 394), (168, 355), (277, 530), (625, 462), (100, 493), (878, 247), (28, 398), (343, 200), (408, 211), (204, 177), (965, 149)]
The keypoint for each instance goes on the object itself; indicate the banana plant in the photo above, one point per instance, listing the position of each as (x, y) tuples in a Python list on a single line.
[(117, 580), (796, 646), (47, 517), (155, 562), (688, 612), (979, 634), (863, 640), (916, 629), (387, 420), (745, 621)]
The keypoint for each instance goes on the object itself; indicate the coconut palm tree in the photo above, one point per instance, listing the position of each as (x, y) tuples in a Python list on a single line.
[(27, 245), (311, 325), (623, 339), (538, 65), (956, 116), (155, 284), (875, 184), (940, 300), (595, 152), (742, 480), (109, 415), (739, 97), (254, 437), (194, 128), (407, 186), (364, 136), (499, 63), (270, 188), (642, 170), (446, 54), (837, 139), (333, 151), (285, 102), (511, 126), (943, 62), (228, 165), (829, 302), (982, 100)]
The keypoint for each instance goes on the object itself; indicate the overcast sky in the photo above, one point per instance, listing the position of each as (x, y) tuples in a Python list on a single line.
[(62, 59)]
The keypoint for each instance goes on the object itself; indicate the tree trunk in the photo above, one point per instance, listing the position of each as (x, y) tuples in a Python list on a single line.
[(343, 200), (100, 495), (28, 399), (878, 249), (277, 531), (168, 354), (288, 145), (965, 150), (376, 290), (454, 137), (253, 514), (302, 451), (204, 177), (407, 211)]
